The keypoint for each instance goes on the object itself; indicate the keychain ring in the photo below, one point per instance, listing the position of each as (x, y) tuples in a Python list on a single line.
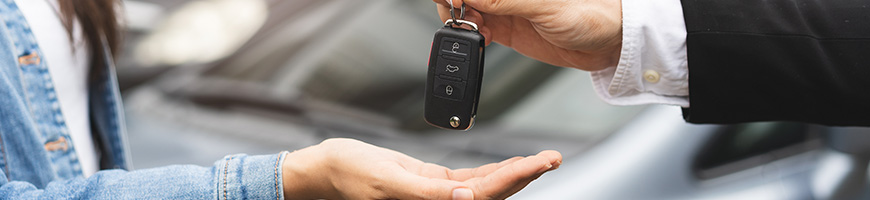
[(461, 12), (461, 22)]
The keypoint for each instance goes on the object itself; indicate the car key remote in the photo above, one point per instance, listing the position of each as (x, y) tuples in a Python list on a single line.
[(455, 75)]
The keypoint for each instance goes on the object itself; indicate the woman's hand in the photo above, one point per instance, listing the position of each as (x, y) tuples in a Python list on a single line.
[(350, 169), (583, 34)]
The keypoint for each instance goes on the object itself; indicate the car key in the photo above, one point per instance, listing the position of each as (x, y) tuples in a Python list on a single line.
[(455, 74)]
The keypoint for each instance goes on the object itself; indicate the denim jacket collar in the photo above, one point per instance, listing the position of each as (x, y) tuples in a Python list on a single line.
[(34, 141)]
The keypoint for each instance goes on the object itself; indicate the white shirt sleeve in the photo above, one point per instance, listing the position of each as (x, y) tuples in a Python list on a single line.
[(652, 65)]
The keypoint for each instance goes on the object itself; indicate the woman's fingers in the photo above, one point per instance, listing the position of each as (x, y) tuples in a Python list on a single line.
[(411, 186), (504, 181), (468, 173)]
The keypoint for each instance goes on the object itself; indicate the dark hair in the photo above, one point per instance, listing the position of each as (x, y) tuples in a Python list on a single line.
[(98, 19)]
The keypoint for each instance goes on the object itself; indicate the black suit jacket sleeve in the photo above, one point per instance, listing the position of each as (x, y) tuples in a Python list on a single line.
[(792, 60)]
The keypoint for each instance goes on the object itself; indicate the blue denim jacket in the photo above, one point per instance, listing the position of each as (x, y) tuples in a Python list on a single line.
[(37, 159)]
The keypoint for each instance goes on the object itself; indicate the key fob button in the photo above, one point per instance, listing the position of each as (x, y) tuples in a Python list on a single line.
[(452, 90), (455, 46), (452, 68)]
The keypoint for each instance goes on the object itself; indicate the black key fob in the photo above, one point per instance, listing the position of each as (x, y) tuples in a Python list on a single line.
[(454, 77)]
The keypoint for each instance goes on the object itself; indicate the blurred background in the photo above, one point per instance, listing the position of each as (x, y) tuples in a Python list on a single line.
[(261, 76)]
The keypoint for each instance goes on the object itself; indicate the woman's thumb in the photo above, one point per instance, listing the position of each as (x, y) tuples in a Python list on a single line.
[(463, 194)]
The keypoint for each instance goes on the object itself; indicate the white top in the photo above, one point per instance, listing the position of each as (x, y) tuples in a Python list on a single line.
[(652, 66), (69, 70)]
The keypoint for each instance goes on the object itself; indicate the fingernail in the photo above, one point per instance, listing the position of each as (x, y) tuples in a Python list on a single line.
[(546, 168), (462, 194)]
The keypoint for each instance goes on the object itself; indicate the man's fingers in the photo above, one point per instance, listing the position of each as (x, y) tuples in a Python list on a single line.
[(522, 8), (456, 3), (443, 12), (470, 15), (477, 17)]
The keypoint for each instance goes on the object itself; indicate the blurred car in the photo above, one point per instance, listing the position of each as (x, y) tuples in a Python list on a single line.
[(298, 72), (657, 157), (334, 70)]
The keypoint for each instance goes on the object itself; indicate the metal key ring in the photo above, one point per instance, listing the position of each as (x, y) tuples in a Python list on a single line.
[(461, 12), (459, 22)]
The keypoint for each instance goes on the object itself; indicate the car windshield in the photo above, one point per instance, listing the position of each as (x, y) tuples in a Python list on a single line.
[(370, 57)]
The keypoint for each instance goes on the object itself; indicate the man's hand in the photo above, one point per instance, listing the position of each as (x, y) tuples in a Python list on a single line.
[(350, 169), (583, 34)]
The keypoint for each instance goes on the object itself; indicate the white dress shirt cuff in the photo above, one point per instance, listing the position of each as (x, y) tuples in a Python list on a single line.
[(652, 65)]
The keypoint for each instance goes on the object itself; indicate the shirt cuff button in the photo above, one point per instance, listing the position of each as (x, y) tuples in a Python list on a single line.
[(651, 76)]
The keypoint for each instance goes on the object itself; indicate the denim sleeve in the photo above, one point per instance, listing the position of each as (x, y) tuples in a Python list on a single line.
[(233, 177)]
